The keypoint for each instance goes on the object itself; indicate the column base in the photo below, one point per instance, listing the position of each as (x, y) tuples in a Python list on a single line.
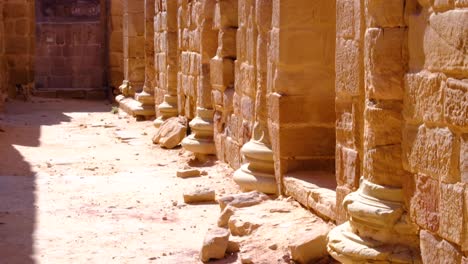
[(349, 248), (378, 229), (134, 107), (167, 109), (201, 139), (258, 172)]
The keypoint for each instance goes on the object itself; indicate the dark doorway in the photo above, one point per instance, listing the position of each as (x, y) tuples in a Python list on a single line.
[(70, 44)]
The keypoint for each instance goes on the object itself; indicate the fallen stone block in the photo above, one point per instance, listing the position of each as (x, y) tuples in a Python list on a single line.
[(199, 196), (242, 199), (188, 173), (215, 244), (312, 245), (171, 132), (226, 214)]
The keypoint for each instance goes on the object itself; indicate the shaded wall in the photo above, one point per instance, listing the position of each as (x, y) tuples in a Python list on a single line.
[(3, 65), (18, 16)]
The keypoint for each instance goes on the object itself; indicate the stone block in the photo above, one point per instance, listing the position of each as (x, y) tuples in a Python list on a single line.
[(314, 110), (227, 43), (456, 102), (451, 208), (385, 60), (347, 167), (347, 64), (311, 246), (382, 165), (432, 151), (348, 19), (464, 158), (215, 244), (306, 141), (225, 14), (383, 13), (443, 5), (445, 37), (341, 192), (424, 203), (348, 120), (222, 73), (423, 97), (301, 13), (382, 124), (437, 250)]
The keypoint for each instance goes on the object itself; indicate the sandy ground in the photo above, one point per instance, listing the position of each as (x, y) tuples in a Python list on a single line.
[(71, 191)]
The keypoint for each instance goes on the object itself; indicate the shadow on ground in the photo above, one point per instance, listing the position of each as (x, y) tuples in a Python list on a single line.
[(20, 125)]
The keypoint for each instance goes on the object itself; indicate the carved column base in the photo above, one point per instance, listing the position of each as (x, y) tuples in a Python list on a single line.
[(258, 173), (145, 98), (201, 141), (378, 230), (167, 109)]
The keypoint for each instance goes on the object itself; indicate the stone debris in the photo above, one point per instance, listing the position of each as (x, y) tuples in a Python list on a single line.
[(171, 132), (242, 199), (200, 195), (215, 244), (188, 173), (312, 245), (279, 230), (226, 214)]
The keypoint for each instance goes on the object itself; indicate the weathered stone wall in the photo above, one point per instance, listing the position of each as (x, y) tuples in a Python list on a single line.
[(222, 81), (115, 42), (166, 57), (435, 136), (69, 45), (301, 86), (19, 29), (134, 42)]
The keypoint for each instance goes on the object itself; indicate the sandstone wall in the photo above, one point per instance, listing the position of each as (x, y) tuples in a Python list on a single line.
[(69, 45), (435, 136), (115, 42), (18, 17), (166, 51), (197, 45), (349, 87), (301, 87), (222, 81), (134, 42)]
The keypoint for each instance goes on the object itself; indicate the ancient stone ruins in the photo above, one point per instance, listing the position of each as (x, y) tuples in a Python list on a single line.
[(357, 109)]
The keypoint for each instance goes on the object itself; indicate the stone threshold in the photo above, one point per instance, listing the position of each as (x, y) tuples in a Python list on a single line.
[(313, 189), (73, 93)]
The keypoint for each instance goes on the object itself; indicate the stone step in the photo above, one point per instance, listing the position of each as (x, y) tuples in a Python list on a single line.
[(314, 190)]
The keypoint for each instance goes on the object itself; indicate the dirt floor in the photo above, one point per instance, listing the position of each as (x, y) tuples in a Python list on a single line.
[(79, 184)]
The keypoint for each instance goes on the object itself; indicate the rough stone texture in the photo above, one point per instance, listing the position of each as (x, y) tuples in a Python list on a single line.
[(171, 132), (3, 65), (115, 45), (437, 250), (311, 246), (215, 244)]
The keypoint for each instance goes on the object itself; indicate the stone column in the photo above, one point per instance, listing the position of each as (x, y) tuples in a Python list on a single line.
[(222, 76), (146, 96), (166, 40), (378, 229), (258, 171), (134, 47), (201, 141)]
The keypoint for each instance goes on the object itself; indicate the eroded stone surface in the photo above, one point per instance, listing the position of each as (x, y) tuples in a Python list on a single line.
[(215, 244)]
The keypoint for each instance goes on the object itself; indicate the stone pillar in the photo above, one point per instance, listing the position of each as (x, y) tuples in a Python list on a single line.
[(379, 228), (134, 43), (146, 96), (201, 141), (222, 78), (258, 171), (166, 60), (115, 43)]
